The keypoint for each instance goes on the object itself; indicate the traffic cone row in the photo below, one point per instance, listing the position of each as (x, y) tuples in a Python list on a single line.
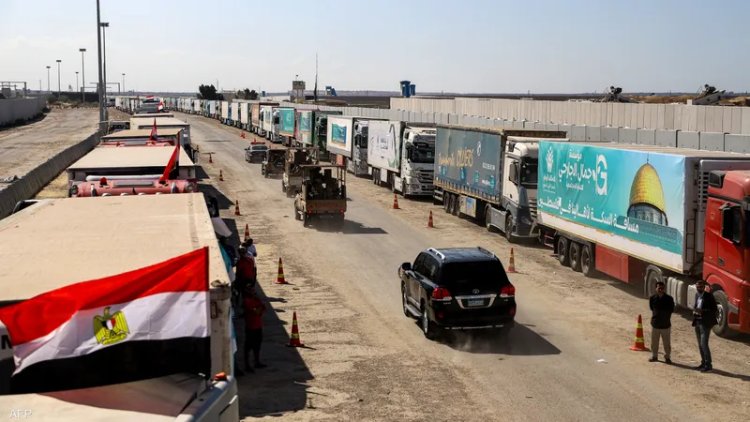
[(280, 277), (395, 201), (639, 345), (429, 221), (221, 176), (237, 207), (294, 340), (247, 232), (511, 262)]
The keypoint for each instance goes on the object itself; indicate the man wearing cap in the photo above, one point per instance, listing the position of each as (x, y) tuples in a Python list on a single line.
[(662, 307), (704, 318)]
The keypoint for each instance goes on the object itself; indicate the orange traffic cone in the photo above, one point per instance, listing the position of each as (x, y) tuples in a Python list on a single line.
[(247, 232), (511, 262), (210, 157), (294, 340), (639, 345), (221, 176), (429, 220), (280, 277), (237, 207), (395, 202)]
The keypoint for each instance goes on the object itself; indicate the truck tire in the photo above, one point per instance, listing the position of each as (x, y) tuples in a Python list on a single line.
[(722, 315), (509, 229), (562, 251), (588, 267), (487, 211), (575, 256), (446, 202), (653, 274), (456, 205), (428, 327)]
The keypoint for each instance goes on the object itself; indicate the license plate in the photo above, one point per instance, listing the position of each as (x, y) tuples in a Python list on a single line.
[(475, 302)]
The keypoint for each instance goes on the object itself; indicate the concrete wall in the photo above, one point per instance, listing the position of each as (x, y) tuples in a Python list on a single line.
[(15, 109), (32, 182)]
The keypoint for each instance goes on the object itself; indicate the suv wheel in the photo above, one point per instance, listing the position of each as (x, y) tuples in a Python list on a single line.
[(428, 327), (404, 300), (575, 256)]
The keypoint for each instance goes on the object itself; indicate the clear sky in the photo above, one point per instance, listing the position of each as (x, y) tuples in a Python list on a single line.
[(471, 46)]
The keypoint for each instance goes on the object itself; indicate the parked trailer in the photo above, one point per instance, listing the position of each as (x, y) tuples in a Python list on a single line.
[(165, 123), (346, 138), (235, 118), (141, 137), (648, 213), (269, 120), (255, 115), (226, 112), (85, 231), (197, 106), (490, 175), (245, 115), (402, 156), (286, 124)]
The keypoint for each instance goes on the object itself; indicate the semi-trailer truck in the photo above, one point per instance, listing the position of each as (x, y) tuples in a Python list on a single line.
[(268, 121), (255, 115), (402, 156), (286, 125), (226, 112), (643, 213), (346, 138), (311, 127), (244, 115), (490, 175), (159, 227)]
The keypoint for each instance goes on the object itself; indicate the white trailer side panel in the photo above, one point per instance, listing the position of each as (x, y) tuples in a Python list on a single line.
[(384, 145)]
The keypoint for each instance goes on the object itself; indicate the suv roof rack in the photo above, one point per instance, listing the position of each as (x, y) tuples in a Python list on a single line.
[(436, 252)]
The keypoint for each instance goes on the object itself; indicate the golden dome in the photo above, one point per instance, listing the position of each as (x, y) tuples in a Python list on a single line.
[(647, 189)]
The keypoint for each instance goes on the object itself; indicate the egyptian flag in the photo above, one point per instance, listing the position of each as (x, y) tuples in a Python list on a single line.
[(153, 136), (141, 324), (172, 170)]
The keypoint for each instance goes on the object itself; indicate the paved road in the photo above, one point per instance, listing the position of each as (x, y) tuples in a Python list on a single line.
[(24, 148), (567, 359)]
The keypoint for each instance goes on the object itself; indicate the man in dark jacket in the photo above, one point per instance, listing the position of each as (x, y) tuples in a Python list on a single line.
[(662, 307), (704, 318)]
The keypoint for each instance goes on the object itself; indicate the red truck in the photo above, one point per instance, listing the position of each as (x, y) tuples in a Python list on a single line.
[(644, 213)]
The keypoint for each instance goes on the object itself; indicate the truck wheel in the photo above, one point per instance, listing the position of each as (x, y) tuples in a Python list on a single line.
[(446, 202), (575, 256), (562, 251), (428, 327), (403, 190), (722, 315), (456, 205), (587, 261), (509, 229), (653, 274)]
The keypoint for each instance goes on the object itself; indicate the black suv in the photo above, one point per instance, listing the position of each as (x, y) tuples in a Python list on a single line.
[(457, 289)]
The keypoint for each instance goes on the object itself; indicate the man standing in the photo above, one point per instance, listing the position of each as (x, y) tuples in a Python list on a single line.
[(662, 307), (704, 318), (254, 309)]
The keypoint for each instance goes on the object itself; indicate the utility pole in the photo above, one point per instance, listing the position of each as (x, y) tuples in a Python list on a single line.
[(105, 25), (123, 83), (76, 81), (101, 76), (48, 89), (58, 78), (83, 77)]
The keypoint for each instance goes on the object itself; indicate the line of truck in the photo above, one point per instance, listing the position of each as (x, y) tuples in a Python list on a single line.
[(494, 177), (114, 222)]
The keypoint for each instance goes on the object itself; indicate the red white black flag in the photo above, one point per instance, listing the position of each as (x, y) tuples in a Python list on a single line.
[(153, 135), (172, 170), (140, 324)]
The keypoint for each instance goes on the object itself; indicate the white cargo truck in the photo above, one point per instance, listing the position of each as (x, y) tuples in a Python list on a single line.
[(402, 156), (85, 232), (269, 121), (226, 112), (235, 117), (245, 115), (346, 138)]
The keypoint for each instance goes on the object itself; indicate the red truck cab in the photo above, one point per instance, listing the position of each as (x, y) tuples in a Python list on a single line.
[(726, 262)]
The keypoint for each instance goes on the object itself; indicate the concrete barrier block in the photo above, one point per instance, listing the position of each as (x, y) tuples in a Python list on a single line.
[(646, 136), (628, 135), (578, 133), (666, 138), (688, 139), (711, 141), (550, 126), (610, 134), (737, 143), (593, 133)]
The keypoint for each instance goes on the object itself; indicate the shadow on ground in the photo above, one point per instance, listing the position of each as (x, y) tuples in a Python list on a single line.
[(521, 340)]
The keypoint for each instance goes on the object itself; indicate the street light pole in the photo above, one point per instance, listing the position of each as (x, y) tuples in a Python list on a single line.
[(76, 81), (123, 82), (83, 77), (104, 26), (58, 79), (48, 89), (101, 76)]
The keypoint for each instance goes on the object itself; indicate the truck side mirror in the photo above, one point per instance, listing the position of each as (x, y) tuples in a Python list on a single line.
[(513, 172), (731, 224)]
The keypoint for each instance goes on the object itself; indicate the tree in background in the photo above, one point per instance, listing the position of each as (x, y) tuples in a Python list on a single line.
[(246, 94), (208, 92)]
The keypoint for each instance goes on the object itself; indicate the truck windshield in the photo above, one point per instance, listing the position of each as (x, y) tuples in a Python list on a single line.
[(422, 154), (529, 172)]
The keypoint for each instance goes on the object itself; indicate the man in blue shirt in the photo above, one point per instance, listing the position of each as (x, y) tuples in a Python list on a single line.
[(704, 318)]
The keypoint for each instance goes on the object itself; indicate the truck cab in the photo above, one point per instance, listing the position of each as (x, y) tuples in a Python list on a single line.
[(358, 163), (519, 173), (726, 263), (417, 161)]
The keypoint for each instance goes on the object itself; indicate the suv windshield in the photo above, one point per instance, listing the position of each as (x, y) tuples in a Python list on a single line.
[(259, 148), (473, 275), (529, 173)]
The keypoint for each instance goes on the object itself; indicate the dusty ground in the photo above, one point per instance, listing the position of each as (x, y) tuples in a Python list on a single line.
[(25, 147), (567, 359)]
